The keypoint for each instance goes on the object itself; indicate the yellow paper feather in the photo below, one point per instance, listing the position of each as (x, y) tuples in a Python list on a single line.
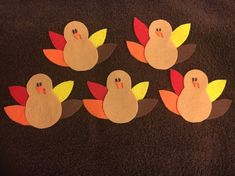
[(63, 90), (98, 37), (215, 89), (180, 34), (140, 90)]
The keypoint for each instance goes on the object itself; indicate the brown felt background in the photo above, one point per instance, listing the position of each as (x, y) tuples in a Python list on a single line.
[(159, 144)]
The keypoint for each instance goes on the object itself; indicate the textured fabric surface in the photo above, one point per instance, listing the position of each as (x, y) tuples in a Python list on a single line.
[(161, 143)]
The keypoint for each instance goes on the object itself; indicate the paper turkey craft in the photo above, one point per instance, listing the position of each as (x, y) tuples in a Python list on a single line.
[(41, 105), (160, 47), (119, 102), (76, 49), (194, 99)]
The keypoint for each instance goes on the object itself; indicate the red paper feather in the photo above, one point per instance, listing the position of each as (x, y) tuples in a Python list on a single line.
[(57, 40), (177, 81), (141, 31), (19, 93), (98, 91)]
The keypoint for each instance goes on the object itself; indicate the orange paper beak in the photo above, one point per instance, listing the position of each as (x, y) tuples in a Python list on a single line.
[(119, 85), (77, 36), (159, 34), (196, 84), (41, 89)]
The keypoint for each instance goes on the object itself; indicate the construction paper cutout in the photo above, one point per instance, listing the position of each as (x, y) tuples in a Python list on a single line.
[(219, 108), (215, 89), (19, 93), (185, 52), (105, 51), (160, 52), (95, 108), (120, 104), (145, 106), (55, 56), (76, 50), (141, 31), (193, 103), (140, 90), (98, 91), (180, 34), (177, 81), (70, 107), (159, 44), (43, 108), (170, 100), (17, 114), (63, 90), (98, 37), (137, 51), (57, 40)]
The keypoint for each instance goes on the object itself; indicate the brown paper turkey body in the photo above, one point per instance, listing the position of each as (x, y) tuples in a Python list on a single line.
[(160, 46), (194, 98), (42, 106), (76, 49), (194, 102), (119, 102)]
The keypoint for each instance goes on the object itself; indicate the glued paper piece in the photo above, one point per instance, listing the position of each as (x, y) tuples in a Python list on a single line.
[(219, 108), (70, 107), (137, 51), (55, 56), (170, 100), (98, 37), (119, 102), (185, 52), (19, 93), (141, 31), (146, 106), (215, 89), (105, 51), (180, 34), (194, 100), (42, 104), (159, 44), (177, 81), (76, 49), (17, 114), (193, 103), (98, 91), (63, 90), (95, 108), (57, 40), (43, 108), (140, 90)]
